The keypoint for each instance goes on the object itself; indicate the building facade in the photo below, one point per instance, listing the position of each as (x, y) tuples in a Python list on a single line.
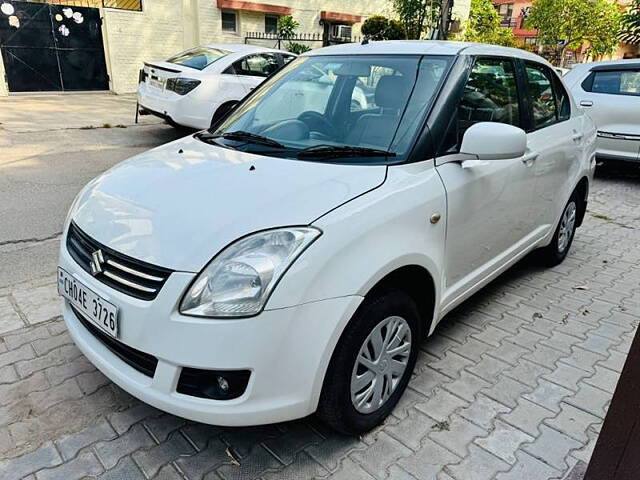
[(513, 14), (134, 31)]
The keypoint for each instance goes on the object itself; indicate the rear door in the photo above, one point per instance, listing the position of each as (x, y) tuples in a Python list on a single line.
[(488, 203), (555, 139), (611, 96)]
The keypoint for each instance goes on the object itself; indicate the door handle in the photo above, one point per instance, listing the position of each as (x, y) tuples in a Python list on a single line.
[(577, 137), (530, 158), (586, 103)]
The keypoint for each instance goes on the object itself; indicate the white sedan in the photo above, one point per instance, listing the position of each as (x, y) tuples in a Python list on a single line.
[(196, 87), (610, 93), (291, 260)]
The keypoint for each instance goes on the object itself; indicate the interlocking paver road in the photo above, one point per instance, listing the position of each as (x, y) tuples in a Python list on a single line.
[(514, 384)]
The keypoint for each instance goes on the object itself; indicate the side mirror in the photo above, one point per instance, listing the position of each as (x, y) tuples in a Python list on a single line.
[(494, 141)]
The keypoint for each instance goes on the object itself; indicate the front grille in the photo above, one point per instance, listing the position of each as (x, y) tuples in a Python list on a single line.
[(142, 362), (120, 272)]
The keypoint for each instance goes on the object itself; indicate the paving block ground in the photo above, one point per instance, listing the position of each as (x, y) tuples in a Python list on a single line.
[(514, 384)]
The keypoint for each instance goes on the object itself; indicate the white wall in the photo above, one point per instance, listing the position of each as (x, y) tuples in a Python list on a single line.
[(135, 37)]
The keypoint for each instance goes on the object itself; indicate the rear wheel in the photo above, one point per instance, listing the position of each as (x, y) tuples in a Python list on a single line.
[(558, 249), (372, 364)]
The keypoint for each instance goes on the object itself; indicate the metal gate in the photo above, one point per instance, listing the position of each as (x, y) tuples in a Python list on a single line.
[(52, 47)]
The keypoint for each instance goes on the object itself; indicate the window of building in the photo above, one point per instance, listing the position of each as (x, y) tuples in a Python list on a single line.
[(270, 24), (229, 21), (505, 11), (135, 5)]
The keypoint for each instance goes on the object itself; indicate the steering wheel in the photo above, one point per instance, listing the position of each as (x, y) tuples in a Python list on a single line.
[(318, 123)]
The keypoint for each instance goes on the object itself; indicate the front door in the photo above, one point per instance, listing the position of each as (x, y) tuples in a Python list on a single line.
[(488, 202)]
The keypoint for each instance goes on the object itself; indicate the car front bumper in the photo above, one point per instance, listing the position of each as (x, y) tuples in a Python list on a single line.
[(286, 350)]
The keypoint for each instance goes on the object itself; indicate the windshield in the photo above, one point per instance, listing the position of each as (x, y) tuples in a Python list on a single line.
[(199, 57), (364, 108)]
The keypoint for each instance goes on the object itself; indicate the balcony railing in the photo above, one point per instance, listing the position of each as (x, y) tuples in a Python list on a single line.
[(512, 22)]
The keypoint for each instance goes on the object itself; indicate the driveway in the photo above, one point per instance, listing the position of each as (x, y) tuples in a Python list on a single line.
[(514, 384), (51, 146)]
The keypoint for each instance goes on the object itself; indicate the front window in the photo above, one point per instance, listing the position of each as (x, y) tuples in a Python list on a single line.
[(199, 57), (259, 65), (356, 109), (490, 95)]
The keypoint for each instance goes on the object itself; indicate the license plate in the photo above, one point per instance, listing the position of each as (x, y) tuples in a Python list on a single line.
[(96, 309), (159, 84)]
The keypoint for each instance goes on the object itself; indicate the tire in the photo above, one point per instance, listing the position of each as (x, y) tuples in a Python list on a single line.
[(391, 313), (555, 253)]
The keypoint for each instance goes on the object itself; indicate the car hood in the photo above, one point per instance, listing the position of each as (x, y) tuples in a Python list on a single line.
[(176, 206)]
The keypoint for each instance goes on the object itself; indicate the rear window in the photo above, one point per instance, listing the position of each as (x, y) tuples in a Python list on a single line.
[(199, 57), (614, 82)]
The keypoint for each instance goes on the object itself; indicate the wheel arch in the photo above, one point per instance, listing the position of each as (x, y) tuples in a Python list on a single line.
[(418, 283)]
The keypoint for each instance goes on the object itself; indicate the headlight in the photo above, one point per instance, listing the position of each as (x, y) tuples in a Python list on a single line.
[(182, 86), (239, 280)]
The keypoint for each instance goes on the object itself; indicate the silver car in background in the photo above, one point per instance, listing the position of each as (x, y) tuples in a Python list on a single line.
[(610, 93)]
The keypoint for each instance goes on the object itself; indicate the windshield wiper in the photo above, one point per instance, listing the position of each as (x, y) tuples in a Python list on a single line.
[(242, 136), (331, 151)]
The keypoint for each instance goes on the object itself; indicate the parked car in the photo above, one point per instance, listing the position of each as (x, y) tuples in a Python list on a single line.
[(610, 93), (196, 87), (274, 267)]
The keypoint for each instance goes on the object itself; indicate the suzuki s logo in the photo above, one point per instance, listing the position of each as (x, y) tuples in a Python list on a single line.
[(97, 260)]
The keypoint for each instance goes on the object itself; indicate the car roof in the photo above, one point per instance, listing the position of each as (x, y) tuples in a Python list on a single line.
[(425, 47), (241, 47)]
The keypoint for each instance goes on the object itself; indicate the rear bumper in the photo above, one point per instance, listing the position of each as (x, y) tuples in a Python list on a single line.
[(618, 147), (186, 110)]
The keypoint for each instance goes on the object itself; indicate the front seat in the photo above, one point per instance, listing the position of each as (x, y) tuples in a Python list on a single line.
[(377, 129)]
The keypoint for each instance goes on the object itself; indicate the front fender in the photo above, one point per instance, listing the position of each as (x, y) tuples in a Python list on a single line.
[(369, 237)]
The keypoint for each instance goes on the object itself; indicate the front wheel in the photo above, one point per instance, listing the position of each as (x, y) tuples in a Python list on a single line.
[(557, 250), (372, 364)]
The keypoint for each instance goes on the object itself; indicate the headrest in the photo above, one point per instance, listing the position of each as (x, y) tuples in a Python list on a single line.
[(392, 91)]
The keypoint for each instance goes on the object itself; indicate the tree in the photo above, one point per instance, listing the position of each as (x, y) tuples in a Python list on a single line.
[(287, 27), (416, 16), (569, 24), (631, 24), (379, 27), (483, 26)]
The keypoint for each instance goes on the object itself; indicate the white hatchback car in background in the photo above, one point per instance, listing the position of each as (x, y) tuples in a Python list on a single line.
[(196, 87), (610, 93), (292, 259)]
